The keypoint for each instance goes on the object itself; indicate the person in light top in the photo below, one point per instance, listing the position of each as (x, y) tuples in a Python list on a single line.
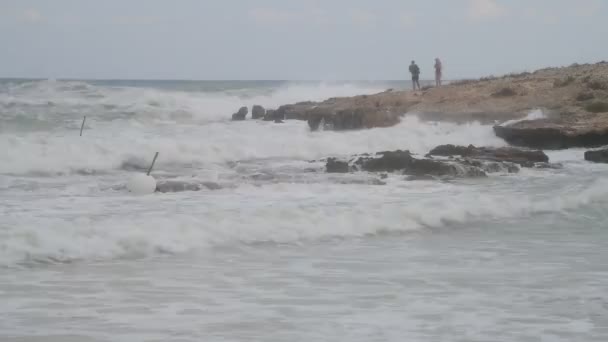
[(438, 72)]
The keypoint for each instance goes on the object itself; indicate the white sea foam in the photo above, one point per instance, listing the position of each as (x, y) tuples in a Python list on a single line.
[(86, 213), (108, 145), (124, 227)]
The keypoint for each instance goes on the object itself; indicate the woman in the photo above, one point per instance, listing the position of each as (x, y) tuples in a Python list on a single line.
[(438, 69)]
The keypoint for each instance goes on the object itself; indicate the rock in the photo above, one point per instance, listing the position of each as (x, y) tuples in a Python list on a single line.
[(388, 161), (258, 112), (296, 111), (420, 178), (599, 156), (278, 121), (557, 133), (336, 166), (513, 155), (487, 100), (180, 186), (240, 115), (452, 150), (469, 161), (391, 161), (505, 92), (273, 115)]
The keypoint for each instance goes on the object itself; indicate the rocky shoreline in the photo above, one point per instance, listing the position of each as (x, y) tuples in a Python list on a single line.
[(574, 100), (458, 162)]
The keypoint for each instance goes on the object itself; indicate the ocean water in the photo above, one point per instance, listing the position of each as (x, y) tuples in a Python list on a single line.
[(276, 249)]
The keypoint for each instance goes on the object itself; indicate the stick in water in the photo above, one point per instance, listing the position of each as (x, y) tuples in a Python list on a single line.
[(153, 161), (82, 127)]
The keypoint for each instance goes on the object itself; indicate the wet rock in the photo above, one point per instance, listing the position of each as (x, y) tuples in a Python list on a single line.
[(296, 111), (555, 166), (388, 161), (336, 166), (556, 133), (599, 156), (404, 162), (273, 115), (258, 112), (240, 115), (167, 186), (525, 158), (420, 178)]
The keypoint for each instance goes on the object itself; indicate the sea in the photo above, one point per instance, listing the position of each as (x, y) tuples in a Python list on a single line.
[(264, 245)]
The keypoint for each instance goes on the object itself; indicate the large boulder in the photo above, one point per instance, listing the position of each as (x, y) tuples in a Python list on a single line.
[(463, 161), (599, 156), (258, 112), (273, 115), (348, 113), (560, 133), (240, 115), (336, 166), (405, 163), (296, 111), (526, 158)]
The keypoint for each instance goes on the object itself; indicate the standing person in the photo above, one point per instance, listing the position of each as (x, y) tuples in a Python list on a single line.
[(415, 71), (438, 71)]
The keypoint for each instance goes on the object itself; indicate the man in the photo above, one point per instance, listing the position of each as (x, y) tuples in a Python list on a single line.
[(415, 71), (438, 69)]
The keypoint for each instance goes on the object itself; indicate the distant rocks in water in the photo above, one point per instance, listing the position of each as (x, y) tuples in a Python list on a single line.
[(240, 115), (463, 161), (258, 112), (599, 156), (181, 186), (273, 115), (525, 158), (404, 162), (337, 166), (346, 113)]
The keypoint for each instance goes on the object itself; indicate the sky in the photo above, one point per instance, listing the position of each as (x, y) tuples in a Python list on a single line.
[(295, 39)]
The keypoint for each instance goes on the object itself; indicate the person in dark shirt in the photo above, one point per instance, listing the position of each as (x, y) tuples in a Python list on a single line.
[(415, 71)]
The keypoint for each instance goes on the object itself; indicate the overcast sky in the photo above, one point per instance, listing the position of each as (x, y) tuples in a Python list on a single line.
[(295, 39)]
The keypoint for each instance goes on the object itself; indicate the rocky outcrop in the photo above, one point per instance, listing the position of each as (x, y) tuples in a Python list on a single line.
[(273, 115), (336, 166), (525, 158), (560, 133), (166, 186), (257, 112), (240, 115), (403, 161), (599, 156), (460, 161), (574, 96)]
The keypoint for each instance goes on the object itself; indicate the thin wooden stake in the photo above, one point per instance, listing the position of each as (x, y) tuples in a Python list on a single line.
[(82, 127), (152, 165)]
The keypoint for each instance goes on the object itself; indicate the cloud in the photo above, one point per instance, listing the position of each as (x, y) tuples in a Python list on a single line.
[(587, 8), (277, 17), (137, 20), (485, 9), (32, 16), (545, 17), (271, 16), (362, 18), (407, 19)]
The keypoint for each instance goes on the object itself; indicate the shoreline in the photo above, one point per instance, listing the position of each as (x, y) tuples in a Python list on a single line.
[(573, 99)]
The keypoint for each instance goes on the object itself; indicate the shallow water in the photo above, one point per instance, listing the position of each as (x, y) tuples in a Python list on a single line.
[(282, 251)]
